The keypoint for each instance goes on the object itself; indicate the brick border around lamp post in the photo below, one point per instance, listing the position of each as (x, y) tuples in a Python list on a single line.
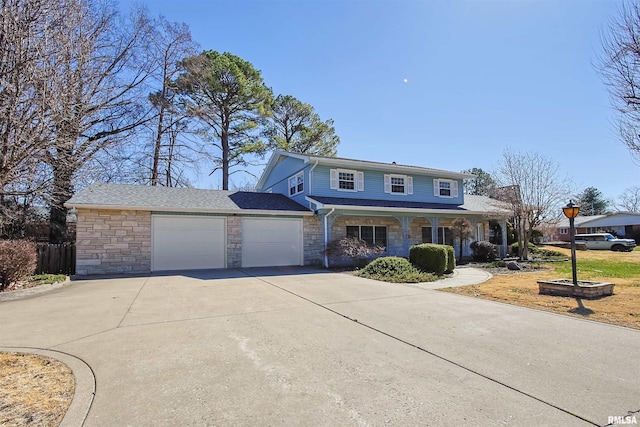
[(571, 211)]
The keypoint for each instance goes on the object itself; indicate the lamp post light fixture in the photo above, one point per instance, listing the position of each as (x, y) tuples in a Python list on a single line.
[(571, 211)]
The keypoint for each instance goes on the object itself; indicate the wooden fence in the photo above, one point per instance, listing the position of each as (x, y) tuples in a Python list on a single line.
[(56, 259)]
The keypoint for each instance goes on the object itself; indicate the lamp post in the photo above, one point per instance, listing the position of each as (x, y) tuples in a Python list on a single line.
[(571, 212)]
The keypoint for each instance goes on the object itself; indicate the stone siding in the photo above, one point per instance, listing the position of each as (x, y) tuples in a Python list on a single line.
[(234, 241), (395, 241), (110, 241), (415, 230), (312, 238)]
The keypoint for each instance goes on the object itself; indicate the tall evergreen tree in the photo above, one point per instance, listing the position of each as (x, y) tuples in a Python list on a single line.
[(294, 126), (228, 95), (481, 185), (592, 202)]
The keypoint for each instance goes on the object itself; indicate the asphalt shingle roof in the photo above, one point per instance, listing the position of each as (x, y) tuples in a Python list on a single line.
[(188, 199)]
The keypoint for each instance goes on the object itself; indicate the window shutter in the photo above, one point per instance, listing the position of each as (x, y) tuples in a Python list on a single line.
[(436, 187), (333, 179), (454, 189), (387, 184), (360, 181), (409, 185)]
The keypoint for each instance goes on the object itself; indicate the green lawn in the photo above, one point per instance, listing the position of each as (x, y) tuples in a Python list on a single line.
[(589, 268)]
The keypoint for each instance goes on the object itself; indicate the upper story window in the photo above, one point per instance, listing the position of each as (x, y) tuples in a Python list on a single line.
[(398, 184), (564, 231), (445, 188), (346, 180), (296, 184)]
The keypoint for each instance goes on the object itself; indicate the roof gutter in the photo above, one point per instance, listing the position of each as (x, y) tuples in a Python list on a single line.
[(311, 178), (400, 210)]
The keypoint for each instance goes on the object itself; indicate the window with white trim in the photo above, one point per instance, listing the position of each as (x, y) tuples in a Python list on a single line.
[(398, 184), (296, 184), (564, 231), (372, 234), (346, 180), (445, 188)]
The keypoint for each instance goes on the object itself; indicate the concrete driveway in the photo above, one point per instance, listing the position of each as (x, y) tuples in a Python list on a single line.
[(305, 347)]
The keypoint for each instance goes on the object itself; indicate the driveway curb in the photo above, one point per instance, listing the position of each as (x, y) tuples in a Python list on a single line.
[(85, 382), (36, 290)]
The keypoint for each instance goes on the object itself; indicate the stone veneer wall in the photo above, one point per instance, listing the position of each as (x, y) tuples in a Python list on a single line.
[(110, 241), (234, 241), (395, 241), (312, 237)]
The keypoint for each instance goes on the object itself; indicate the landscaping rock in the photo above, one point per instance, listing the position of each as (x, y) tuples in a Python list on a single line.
[(512, 265)]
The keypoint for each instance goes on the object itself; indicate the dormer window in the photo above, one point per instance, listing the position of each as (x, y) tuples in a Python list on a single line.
[(296, 184), (398, 184), (445, 188)]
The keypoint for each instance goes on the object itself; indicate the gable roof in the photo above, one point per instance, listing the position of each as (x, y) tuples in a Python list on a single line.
[(358, 164), (608, 220), (473, 205), (146, 198)]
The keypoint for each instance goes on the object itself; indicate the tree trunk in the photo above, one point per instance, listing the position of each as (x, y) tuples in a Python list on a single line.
[(225, 156), (156, 150), (62, 175)]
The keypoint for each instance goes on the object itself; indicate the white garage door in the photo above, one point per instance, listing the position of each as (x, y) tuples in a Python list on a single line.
[(188, 242), (271, 242)]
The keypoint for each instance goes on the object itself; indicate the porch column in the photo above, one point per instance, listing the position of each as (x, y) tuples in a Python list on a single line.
[(504, 248), (327, 220), (435, 224), (404, 222)]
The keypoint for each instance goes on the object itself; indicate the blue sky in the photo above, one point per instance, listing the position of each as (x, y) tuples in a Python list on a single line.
[(481, 76)]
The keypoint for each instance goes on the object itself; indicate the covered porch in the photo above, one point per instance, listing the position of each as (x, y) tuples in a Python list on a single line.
[(397, 228)]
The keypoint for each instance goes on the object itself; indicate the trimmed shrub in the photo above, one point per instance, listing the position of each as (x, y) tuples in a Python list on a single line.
[(484, 251), (17, 259), (548, 254), (514, 248), (429, 257), (395, 269), (451, 259)]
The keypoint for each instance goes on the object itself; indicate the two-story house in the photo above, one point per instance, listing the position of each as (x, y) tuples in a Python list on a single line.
[(301, 203), (392, 205)]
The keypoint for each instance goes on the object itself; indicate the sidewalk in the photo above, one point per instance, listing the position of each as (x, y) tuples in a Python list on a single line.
[(462, 276)]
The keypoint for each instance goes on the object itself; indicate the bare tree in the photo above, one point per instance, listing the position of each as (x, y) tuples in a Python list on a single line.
[(462, 230), (629, 201), (533, 189), (97, 68), (170, 43), (23, 131), (619, 66)]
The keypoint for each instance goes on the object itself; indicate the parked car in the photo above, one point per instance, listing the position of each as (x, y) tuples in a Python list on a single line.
[(605, 241)]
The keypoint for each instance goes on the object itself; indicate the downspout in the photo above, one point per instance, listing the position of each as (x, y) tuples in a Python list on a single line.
[(326, 242), (311, 180)]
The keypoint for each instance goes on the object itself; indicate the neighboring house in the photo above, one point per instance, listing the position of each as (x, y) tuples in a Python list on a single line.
[(302, 202), (622, 224)]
